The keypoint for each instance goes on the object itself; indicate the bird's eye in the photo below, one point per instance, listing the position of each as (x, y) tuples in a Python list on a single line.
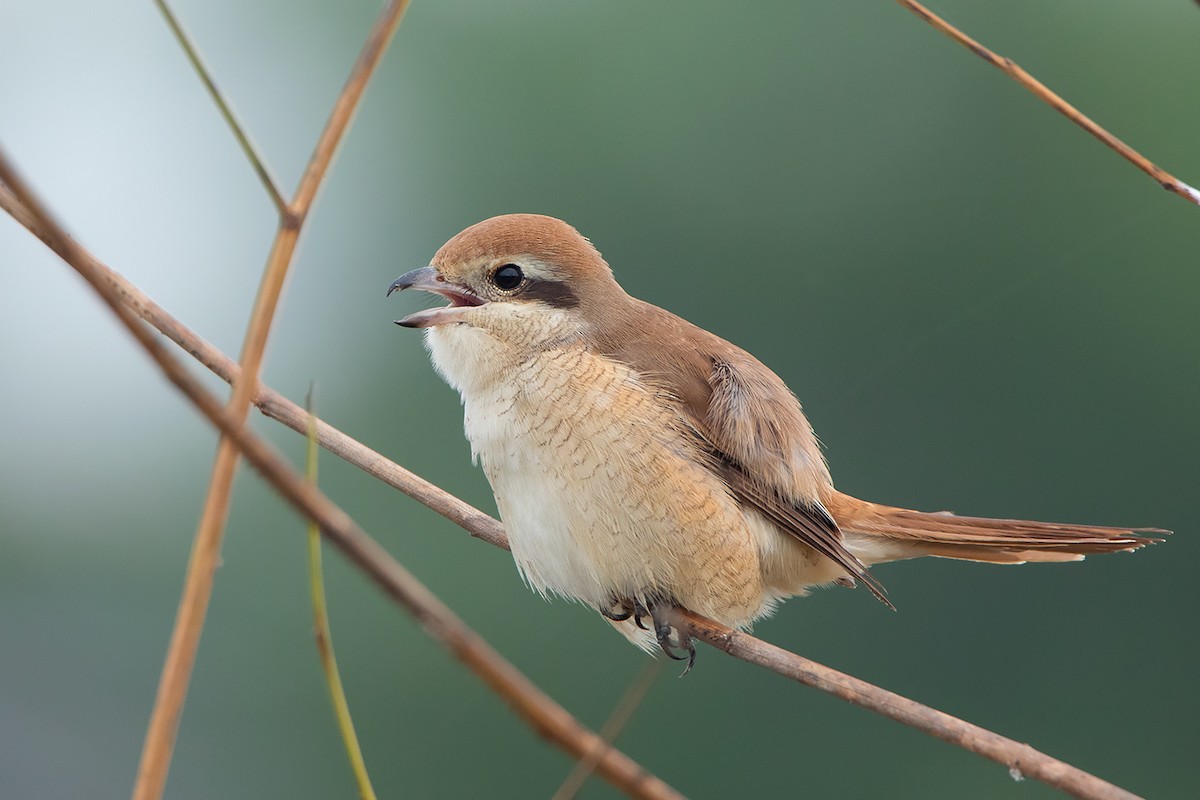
[(508, 277)]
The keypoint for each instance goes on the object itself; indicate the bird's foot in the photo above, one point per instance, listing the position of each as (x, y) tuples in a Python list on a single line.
[(660, 614), (671, 638)]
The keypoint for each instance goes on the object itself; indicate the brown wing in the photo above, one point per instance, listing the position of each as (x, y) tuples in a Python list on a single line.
[(746, 419), (810, 523)]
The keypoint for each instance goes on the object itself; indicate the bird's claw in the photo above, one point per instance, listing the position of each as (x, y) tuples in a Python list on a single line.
[(617, 613), (619, 610), (640, 613), (662, 632)]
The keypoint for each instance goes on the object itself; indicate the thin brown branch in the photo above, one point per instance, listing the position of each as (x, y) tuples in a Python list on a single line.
[(239, 133), (978, 740), (1021, 759), (1006, 65), (541, 712), (202, 564)]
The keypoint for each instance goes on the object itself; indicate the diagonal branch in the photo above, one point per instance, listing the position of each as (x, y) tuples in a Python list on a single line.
[(202, 564), (1006, 65), (239, 133), (1011, 754), (611, 729), (270, 402), (540, 711), (1020, 758)]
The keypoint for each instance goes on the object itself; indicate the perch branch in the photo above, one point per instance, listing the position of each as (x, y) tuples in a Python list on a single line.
[(202, 563), (541, 712), (1021, 759), (1006, 65), (977, 740)]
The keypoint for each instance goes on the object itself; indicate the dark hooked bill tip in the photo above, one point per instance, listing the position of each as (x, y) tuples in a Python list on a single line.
[(401, 283), (427, 279), (422, 278)]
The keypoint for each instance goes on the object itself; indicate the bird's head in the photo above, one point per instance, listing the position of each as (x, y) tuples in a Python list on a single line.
[(517, 276)]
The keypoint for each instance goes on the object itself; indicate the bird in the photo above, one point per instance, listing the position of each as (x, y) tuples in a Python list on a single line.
[(641, 464)]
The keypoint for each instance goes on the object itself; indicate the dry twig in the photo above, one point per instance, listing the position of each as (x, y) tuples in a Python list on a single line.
[(1010, 753), (239, 133), (202, 564), (611, 729), (539, 710), (1006, 65)]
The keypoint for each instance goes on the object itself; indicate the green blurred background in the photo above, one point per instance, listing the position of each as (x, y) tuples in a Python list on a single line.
[(981, 307)]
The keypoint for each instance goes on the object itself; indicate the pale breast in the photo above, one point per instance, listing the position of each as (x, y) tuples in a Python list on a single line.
[(602, 493)]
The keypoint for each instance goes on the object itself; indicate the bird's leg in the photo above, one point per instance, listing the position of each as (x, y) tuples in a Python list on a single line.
[(660, 613)]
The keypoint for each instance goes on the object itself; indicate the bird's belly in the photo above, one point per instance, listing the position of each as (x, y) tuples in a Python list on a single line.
[(603, 494)]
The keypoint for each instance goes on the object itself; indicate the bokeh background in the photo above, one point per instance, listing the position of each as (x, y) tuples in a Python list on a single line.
[(981, 307)]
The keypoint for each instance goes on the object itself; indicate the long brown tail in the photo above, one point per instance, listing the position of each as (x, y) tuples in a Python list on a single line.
[(999, 541)]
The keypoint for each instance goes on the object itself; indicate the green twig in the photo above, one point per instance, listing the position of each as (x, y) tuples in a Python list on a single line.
[(337, 694)]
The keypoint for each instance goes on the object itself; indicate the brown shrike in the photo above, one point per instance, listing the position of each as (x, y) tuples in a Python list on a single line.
[(640, 462)]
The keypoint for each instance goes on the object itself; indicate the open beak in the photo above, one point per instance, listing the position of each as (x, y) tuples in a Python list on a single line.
[(428, 279)]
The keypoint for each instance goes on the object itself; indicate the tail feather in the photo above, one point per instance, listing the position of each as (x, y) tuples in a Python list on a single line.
[(995, 555), (1000, 541)]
